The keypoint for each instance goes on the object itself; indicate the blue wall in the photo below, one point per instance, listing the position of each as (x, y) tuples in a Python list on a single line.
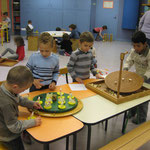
[(49, 14), (130, 14)]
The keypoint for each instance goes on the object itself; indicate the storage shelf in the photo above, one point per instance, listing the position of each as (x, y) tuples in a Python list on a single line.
[(16, 15)]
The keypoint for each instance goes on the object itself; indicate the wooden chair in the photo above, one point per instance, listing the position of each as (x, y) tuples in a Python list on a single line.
[(75, 44), (64, 71)]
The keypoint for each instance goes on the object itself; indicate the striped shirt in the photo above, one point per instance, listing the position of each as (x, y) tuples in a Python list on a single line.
[(43, 68), (80, 64)]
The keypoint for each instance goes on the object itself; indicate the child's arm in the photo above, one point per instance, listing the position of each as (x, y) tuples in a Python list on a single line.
[(70, 66), (129, 61), (25, 102), (55, 76), (147, 73), (13, 124), (100, 34), (20, 53)]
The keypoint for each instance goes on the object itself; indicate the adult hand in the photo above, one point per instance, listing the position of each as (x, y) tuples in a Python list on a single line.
[(37, 83)]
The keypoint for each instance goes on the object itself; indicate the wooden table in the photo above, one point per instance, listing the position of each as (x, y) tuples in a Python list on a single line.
[(57, 33), (53, 128)]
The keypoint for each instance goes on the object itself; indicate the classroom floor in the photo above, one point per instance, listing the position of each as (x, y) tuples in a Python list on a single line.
[(108, 57)]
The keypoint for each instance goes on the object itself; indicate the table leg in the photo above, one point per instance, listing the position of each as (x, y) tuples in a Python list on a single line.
[(89, 137), (67, 143), (67, 78), (46, 146), (7, 34), (124, 122), (106, 124), (74, 141), (2, 37)]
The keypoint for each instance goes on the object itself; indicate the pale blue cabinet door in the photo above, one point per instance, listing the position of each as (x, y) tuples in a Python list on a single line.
[(109, 17)]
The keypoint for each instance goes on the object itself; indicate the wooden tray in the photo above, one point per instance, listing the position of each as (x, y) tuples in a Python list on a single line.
[(7, 62), (130, 81), (100, 88)]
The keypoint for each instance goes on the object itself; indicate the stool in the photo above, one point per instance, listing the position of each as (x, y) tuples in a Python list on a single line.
[(105, 37), (110, 37)]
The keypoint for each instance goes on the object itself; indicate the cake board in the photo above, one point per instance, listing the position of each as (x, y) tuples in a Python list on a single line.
[(57, 113)]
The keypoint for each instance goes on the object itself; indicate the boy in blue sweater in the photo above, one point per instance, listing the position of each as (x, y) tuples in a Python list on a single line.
[(44, 65)]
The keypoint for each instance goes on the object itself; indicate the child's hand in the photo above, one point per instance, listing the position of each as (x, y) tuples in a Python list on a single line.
[(52, 86), (98, 76), (38, 121), (37, 83), (79, 80), (36, 105)]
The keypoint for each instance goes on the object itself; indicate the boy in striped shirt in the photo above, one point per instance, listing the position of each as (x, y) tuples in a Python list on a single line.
[(44, 65), (81, 60)]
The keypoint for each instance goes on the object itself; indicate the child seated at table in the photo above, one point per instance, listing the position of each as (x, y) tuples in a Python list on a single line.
[(18, 80), (19, 54), (66, 44), (44, 65), (81, 60), (139, 57), (74, 32)]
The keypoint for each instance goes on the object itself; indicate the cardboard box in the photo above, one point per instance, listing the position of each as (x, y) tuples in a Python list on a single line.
[(131, 140)]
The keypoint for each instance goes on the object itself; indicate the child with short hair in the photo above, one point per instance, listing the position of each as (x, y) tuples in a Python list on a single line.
[(29, 29), (18, 80), (80, 63), (44, 65), (66, 44), (99, 31), (140, 58), (20, 52), (74, 32)]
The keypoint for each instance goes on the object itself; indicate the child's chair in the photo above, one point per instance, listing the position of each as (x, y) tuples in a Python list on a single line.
[(75, 44), (64, 71)]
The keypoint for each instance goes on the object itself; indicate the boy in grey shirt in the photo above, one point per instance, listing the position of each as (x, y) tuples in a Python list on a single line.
[(81, 60), (140, 58), (18, 80)]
